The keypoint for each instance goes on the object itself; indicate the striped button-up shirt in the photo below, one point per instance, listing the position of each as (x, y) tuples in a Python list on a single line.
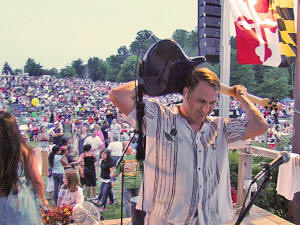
[(186, 171)]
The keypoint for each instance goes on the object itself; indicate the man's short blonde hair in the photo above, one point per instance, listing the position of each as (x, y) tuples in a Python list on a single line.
[(202, 74)]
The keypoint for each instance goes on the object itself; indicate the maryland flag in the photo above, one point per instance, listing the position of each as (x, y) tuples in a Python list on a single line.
[(265, 31)]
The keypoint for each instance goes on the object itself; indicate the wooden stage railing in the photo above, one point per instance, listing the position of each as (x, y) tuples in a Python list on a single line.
[(245, 167)]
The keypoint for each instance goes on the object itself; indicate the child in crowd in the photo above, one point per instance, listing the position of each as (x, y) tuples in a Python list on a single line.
[(51, 145), (70, 192)]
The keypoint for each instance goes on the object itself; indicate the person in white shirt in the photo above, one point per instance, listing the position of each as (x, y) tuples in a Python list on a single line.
[(186, 168), (115, 129), (95, 142), (115, 148)]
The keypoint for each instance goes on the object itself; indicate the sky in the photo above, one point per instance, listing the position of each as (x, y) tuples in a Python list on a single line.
[(56, 32)]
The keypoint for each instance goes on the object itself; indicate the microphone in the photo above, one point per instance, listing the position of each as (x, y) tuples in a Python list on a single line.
[(283, 158)]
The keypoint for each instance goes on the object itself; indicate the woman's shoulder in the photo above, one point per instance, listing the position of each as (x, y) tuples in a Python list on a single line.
[(87, 154), (79, 189), (109, 162)]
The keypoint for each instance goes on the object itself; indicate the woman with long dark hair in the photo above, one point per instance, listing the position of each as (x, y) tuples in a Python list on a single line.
[(18, 174), (107, 167)]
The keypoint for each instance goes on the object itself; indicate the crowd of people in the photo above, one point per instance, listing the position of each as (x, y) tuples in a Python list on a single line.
[(80, 129), (72, 103), (84, 135)]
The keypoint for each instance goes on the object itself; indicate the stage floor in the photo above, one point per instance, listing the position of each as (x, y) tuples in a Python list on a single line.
[(257, 216)]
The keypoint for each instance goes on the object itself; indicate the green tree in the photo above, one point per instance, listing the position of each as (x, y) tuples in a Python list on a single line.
[(291, 71), (233, 42), (191, 44), (127, 70), (241, 74), (142, 43), (259, 71), (53, 71), (275, 83), (33, 68), (92, 65), (102, 70), (68, 71), (123, 53), (180, 36), (7, 69), (114, 67), (79, 67), (18, 71)]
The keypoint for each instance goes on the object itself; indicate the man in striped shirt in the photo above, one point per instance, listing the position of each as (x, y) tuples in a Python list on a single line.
[(186, 174)]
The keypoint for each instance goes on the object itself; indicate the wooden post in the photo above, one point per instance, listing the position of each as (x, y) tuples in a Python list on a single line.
[(44, 157), (244, 173), (296, 124)]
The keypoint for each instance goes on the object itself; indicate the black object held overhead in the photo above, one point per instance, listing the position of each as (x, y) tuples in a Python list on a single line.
[(165, 68)]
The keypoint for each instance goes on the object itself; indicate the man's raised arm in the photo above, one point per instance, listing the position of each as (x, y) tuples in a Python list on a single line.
[(123, 97), (257, 124)]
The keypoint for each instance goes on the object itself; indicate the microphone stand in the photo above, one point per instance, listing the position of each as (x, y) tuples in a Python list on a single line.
[(122, 191), (120, 163), (245, 211)]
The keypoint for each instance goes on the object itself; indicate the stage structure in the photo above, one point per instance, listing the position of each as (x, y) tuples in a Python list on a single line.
[(214, 41)]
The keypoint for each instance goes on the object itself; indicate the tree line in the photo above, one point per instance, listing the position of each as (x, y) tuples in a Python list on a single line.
[(260, 80)]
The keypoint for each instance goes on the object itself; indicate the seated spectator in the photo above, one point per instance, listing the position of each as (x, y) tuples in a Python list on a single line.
[(277, 134), (70, 192), (271, 140)]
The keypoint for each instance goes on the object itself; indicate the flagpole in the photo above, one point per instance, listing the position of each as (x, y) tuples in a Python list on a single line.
[(296, 121), (225, 56)]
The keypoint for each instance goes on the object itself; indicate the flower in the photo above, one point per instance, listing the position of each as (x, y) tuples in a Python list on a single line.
[(55, 215)]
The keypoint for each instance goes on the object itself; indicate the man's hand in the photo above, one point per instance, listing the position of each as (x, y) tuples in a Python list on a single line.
[(240, 91), (256, 124), (112, 184), (112, 175)]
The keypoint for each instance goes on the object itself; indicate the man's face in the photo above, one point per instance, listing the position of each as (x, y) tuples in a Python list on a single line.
[(200, 102)]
